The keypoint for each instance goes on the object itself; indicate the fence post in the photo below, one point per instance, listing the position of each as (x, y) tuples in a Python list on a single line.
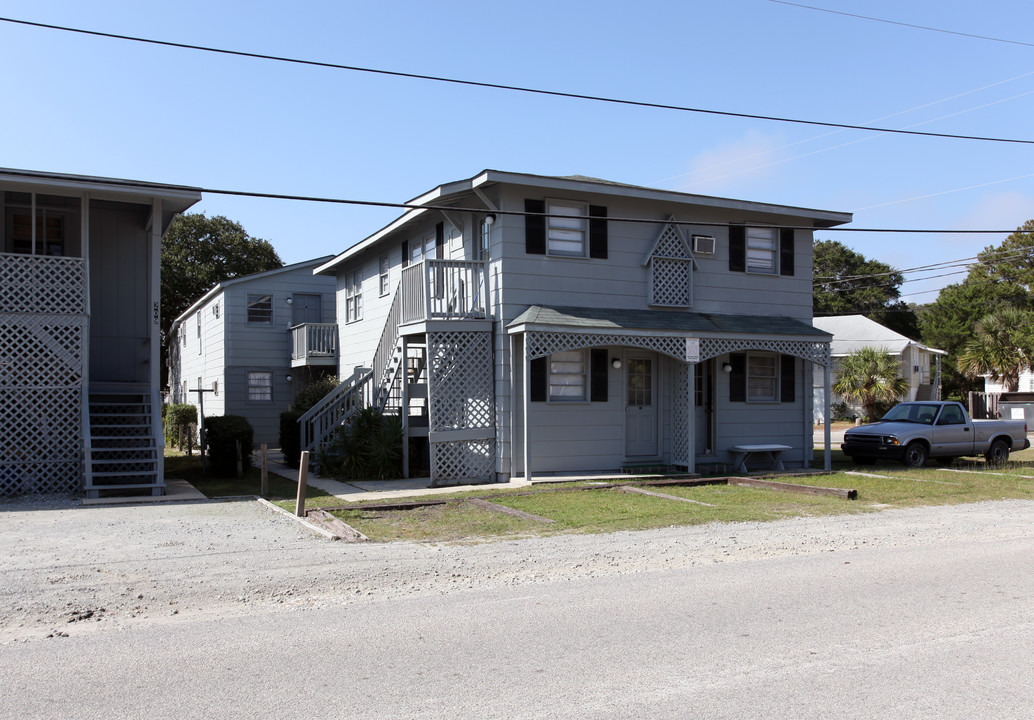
[(303, 480), (264, 490)]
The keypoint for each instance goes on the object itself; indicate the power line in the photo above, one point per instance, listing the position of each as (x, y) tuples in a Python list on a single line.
[(513, 88), (903, 24), (826, 280), (516, 213)]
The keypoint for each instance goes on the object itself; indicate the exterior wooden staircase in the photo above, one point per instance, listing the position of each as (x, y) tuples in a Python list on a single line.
[(122, 449)]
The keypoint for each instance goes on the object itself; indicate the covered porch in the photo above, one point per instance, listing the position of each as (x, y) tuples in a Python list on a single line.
[(603, 389)]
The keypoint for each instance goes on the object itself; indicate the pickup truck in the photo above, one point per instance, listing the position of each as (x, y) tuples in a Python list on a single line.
[(912, 432)]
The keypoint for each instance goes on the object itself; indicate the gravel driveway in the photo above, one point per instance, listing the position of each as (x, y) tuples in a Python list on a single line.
[(68, 569)]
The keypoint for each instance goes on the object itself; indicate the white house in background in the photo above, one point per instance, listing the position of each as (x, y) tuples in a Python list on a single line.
[(79, 331), (919, 364), (254, 341), (1026, 383), (525, 324)]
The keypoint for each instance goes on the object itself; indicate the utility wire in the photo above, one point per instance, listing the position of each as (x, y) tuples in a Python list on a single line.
[(903, 24), (485, 211), (960, 262), (513, 88)]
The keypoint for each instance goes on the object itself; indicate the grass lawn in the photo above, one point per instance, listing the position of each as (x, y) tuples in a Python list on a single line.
[(178, 465)]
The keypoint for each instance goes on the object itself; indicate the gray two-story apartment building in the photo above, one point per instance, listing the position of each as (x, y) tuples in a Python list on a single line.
[(528, 325), (252, 342)]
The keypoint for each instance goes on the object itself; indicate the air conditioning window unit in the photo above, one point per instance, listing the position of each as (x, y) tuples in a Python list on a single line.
[(703, 244)]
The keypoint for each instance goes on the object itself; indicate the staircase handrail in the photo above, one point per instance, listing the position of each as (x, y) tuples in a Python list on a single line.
[(322, 419), (389, 337)]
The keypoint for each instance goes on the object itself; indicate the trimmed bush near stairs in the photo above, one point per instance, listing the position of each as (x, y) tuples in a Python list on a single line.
[(222, 433), (369, 447)]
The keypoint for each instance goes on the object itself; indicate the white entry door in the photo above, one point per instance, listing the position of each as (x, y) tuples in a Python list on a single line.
[(641, 406)]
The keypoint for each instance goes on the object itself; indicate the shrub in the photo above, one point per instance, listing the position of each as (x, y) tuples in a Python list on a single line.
[(177, 416), (369, 446), (222, 433), (313, 393)]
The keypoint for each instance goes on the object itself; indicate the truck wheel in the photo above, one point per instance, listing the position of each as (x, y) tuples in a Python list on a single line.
[(862, 460), (998, 453), (915, 455)]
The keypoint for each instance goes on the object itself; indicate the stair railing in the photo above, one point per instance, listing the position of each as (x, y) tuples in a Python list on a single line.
[(322, 420)]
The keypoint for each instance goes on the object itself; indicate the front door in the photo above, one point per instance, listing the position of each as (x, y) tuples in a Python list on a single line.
[(306, 308), (641, 407)]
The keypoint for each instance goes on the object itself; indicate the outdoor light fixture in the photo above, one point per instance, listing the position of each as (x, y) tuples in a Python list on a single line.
[(290, 300), (616, 363), (727, 367), (288, 378), (489, 219)]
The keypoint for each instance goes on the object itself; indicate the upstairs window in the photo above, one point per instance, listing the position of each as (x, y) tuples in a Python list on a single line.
[(560, 228), (761, 250), (260, 309), (353, 296), (383, 276)]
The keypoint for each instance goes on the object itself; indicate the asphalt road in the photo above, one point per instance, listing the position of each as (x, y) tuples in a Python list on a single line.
[(939, 629)]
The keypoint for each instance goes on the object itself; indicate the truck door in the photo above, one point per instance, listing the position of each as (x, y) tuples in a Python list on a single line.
[(952, 434)]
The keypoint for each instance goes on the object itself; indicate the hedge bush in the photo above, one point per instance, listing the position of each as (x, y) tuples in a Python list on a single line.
[(181, 415), (290, 435), (221, 436)]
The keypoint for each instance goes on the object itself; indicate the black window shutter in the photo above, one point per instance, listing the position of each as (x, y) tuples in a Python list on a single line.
[(738, 378), (737, 248), (439, 241), (786, 251), (598, 375), (405, 253), (787, 378), (538, 380), (535, 228), (597, 231)]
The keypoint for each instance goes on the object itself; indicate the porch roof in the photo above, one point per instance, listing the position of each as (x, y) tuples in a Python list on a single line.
[(541, 317)]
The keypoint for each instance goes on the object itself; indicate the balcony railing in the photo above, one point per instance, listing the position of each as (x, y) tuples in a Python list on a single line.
[(444, 290), (41, 285), (314, 344)]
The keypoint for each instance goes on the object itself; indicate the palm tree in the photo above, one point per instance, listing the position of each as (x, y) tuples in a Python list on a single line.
[(869, 376), (1000, 348)]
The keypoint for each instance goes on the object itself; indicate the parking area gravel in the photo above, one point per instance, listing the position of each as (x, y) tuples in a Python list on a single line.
[(68, 569)]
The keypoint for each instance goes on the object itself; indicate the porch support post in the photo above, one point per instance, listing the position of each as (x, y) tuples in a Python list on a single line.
[(155, 337), (691, 418), (828, 460), (513, 407), (526, 399)]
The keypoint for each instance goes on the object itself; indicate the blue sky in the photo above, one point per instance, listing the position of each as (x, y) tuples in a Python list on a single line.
[(94, 106)]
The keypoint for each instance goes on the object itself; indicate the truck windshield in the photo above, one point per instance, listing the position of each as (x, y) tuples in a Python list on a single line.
[(912, 412)]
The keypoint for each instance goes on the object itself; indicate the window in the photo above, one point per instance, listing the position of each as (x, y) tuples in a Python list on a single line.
[(565, 229), (353, 296), (215, 310), (260, 309), (485, 237), (198, 317), (260, 386), (762, 376), (384, 275), (215, 388), (567, 376), (761, 250)]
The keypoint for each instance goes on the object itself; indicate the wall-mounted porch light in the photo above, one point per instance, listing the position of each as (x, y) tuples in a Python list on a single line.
[(615, 363)]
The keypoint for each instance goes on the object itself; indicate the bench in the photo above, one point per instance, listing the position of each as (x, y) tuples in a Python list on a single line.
[(740, 453)]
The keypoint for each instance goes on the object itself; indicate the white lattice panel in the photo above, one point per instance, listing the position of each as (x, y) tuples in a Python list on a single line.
[(682, 411), (816, 352), (42, 338), (460, 380), (452, 462), (671, 244), (541, 344), (41, 285), (672, 282)]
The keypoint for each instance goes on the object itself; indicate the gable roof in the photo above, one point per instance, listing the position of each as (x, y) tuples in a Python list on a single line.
[(851, 333), (219, 287), (450, 193)]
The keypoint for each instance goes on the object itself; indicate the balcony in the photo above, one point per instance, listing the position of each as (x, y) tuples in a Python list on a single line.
[(444, 290), (314, 344)]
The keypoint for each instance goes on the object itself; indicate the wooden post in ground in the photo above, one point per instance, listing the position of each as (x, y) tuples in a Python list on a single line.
[(240, 461), (303, 480), (264, 491)]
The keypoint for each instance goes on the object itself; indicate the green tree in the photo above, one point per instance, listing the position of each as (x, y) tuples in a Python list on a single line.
[(848, 283), (869, 376), (1002, 348), (199, 251)]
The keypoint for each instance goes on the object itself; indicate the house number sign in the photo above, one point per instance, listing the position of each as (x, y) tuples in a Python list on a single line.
[(156, 313), (693, 350)]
